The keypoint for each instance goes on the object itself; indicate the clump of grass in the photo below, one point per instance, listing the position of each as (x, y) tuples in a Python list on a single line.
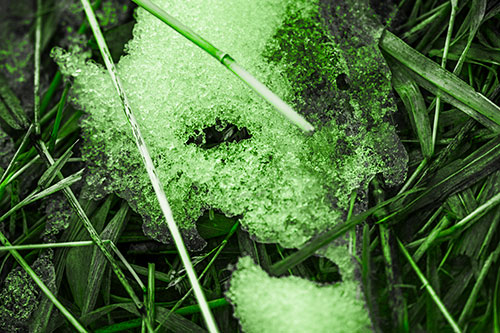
[(428, 256)]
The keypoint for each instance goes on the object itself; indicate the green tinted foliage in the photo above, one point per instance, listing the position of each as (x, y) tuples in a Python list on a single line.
[(287, 186)]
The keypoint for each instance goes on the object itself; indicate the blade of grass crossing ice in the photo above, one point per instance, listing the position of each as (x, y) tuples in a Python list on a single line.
[(151, 170), (225, 59)]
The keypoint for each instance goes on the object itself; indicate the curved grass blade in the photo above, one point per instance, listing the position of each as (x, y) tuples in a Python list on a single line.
[(477, 13), (225, 59), (151, 170), (414, 103), (430, 290), (317, 243), (98, 262), (481, 108)]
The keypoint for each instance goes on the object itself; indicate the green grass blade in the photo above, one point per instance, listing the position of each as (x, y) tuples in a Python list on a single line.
[(205, 270), (315, 244), (414, 103), (229, 63), (36, 76), (98, 262), (476, 14), (429, 289), (150, 168), (477, 53), (49, 245), (454, 7), (177, 323), (467, 221), (496, 306), (471, 300), (80, 213), (57, 121), (160, 276), (430, 238), (78, 260), (10, 167), (442, 79), (151, 293), (61, 185), (48, 176), (456, 177)]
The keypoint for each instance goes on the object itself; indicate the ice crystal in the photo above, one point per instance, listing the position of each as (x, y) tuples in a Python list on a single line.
[(292, 304)]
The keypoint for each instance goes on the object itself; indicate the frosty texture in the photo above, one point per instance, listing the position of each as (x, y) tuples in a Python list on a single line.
[(20, 296), (286, 185), (58, 213), (6, 149), (291, 304)]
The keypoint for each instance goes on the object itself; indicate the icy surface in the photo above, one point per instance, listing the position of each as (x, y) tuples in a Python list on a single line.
[(286, 185), (292, 304)]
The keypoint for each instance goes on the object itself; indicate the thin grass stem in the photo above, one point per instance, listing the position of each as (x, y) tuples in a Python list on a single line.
[(429, 289), (50, 245), (127, 265), (151, 293), (496, 312), (219, 250), (469, 305), (414, 176), (16, 154), (57, 122), (13, 176), (150, 168), (36, 76), (476, 213), (454, 7)]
